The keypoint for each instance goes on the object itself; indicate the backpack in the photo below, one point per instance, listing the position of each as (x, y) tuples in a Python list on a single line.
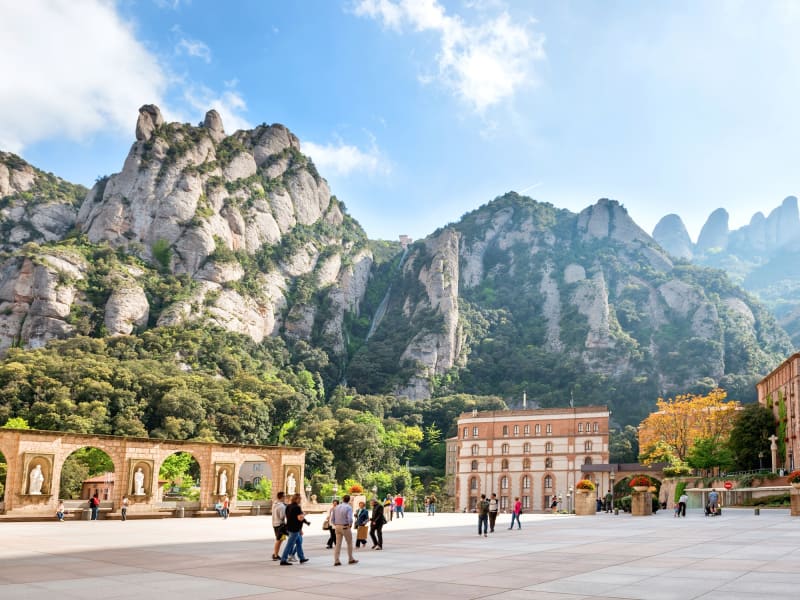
[(483, 507)]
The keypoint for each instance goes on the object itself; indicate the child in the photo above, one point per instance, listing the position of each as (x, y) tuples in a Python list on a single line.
[(677, 510), (60, 510)]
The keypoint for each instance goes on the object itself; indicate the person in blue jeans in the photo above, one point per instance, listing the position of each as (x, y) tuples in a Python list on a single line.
[(515, 514), (94, 504), (295, 519), (483, 516)]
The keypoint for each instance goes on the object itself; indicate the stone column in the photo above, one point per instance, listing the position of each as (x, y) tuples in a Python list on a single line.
[(794, 498), (641, 504)]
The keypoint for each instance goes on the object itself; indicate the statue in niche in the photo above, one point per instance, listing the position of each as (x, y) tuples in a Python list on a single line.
[(223, 483), (36, 480), (138, 482), (291, 484)]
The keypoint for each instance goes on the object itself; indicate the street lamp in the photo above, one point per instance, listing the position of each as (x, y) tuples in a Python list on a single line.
[(335, 490), (760, 459), (569, 500), (612, 476)]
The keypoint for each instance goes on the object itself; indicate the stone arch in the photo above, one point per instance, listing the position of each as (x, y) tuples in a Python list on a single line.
[(84, 470), (182, 485), (252, 468)]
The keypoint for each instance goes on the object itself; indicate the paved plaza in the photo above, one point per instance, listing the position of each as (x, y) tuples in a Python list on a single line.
[(553, 557)]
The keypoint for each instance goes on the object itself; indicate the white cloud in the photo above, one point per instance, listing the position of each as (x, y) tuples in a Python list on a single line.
[(344, 159), (194, 48), (229, 104), (71, 72), (483, 64)]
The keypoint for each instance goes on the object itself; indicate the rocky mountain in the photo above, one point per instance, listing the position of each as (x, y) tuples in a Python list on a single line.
[(240, 232), (761, 256), (234, 230), (519, 295)]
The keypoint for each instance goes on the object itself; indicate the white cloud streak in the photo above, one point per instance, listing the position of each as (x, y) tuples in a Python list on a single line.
[(71, 72), (483, 64), (344, 159), (194, 48)]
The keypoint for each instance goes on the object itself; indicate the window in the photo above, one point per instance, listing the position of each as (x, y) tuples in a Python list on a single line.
[(503, 502), (473, 483), (538, 429), (526, 448), (526, 464), (526, 502), (516, 429), (526, 483), (474, 432), (587, 447), (526, 430), (504, 449), (548, 482), (587, 427), (504, 483), (548, 463), (466, 431), (505, 430), (504, 464), (548, 447), (587, 460), (580, 427), (475, 449), (256, 480), (548, 428), (474, 465), (258, 467), (596, 427)]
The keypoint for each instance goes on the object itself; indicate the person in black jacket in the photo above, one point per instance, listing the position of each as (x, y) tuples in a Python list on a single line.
[(295, 519), (376, 523)]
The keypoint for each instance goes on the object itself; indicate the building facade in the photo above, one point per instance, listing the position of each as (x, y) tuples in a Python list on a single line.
[(535, 455), (780, 392)]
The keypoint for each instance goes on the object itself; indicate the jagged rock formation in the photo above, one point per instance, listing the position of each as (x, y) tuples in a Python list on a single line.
[(242, 224), (518, 292)]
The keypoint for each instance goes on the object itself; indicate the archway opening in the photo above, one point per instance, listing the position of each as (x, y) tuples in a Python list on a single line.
[(85, 472), (255, 480), (179, 478)]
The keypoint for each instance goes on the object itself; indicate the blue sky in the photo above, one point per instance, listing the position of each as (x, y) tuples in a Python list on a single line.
[(419, 111)]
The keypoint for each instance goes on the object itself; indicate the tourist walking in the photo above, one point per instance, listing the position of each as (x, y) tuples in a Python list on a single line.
[(609, 500), (295, 519), (342, 519), (432, 505), (493, 506), (398, 506), (278, 525), (124, 509), (515, 513), (682, 502), (388, 505), (376, 523), (713, 499), (328, 524), (361, 524), (94, 504), (483, 516), (226, 507)]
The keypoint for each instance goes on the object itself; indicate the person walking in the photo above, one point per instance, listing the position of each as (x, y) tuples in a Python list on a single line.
[(713, 499), (124, 509), (388, 504), (226, 507), (376, 523), (493, 506), (342, 519), (682, 502), (609, 500), (295, 519), (515, 513), (432, 505), (361, 521), (329, 521), (398, 506), (483, 516), (278, 525), (94, 504)]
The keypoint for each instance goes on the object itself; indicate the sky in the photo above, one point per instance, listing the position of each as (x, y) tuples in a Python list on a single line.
[(419, 111)]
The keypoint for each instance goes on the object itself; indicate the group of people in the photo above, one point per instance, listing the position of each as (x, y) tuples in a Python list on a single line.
[(288, 521), (223, 507), (487, 514), (394, 505)]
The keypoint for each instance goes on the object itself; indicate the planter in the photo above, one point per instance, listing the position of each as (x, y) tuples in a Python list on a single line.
[(641, 488), (585, 503), (796, 486)]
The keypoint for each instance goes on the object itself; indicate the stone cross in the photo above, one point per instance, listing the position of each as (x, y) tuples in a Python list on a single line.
[(774, 448)]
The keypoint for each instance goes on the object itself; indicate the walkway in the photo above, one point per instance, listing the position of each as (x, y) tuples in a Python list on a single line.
[(737, 556)]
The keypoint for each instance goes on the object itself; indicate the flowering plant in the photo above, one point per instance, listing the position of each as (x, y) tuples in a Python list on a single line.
[(640, 481), (794, 477), (585, 484), (356, 489)]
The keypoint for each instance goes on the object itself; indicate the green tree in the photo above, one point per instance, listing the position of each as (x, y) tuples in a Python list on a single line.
[(624, 445), (710, 456), (750, 436)]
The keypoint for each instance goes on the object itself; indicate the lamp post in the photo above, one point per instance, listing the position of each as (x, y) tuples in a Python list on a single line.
[(569, 500), (335, 490), (612, 476), (760, 459)]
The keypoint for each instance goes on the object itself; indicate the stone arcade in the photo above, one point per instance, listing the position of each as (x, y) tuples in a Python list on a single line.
[(35, 459)]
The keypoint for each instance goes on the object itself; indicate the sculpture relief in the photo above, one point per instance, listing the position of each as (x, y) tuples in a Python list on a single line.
[(36, 479)]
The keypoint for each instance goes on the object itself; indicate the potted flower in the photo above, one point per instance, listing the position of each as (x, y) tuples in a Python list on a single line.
[(640, 483), (585, 485), (794, 479), (355, 489)]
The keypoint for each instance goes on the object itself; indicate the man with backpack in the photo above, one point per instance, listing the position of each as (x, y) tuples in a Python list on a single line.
[(483, 515)]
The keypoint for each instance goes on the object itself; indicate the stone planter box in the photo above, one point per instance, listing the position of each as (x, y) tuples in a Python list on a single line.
[(585, 503), (794, 499), (641, 504)]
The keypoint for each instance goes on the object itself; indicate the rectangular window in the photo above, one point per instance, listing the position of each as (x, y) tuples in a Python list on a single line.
[(527, 430), (516, 429), (466, 429), (580, 427), (505, 430), (474, 432), (596, 427), (538, 429), (503, 502), (548, 428), (526, 502)]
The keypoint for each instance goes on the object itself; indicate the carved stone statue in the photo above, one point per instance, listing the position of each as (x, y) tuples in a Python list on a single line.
[(223, 483), (138, 482), (36, 480), (291, 484)]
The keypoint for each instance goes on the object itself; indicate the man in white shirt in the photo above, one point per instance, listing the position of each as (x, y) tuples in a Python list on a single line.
[(278, 525), (493, 506), (342, 521)]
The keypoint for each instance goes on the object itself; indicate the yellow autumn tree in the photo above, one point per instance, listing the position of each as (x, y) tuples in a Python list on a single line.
[(682, 420)]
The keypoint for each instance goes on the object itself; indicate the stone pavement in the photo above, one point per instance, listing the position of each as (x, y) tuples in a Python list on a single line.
[(737, 556)]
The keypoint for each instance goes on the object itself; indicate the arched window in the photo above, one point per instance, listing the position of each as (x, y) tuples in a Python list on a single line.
[(548, 482), (548, 428), (596, 427), (538, 429), (587, 447), (504, 483), (475, 449), (587, 460), (548, 447), (526, 464), (473, 483), (526, 430), (580, 427), (526, 482), (587, 427), (505, 430), (526, 448), (504, 464), (466, 431), (548, 463), (516, 429), (504, 449), (474, 465), (256, 481)]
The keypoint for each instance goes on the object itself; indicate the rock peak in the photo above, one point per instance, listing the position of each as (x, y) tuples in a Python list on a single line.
[(213, 122), (149, 120)]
